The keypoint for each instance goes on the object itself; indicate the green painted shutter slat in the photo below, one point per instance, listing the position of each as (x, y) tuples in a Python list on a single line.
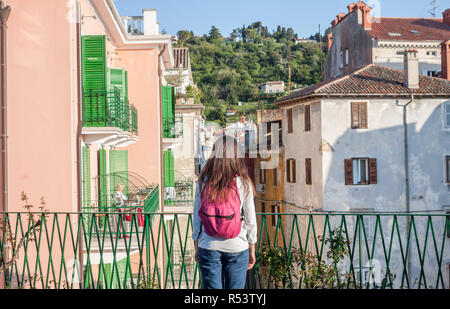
[(118, 168), (171, 170), (103, 179), (168, 101), (117, 79), (169, 177), (86, 177), (94, 69), (166, 168)]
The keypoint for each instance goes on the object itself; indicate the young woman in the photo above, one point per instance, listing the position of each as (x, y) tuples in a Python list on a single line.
[(224, 180)]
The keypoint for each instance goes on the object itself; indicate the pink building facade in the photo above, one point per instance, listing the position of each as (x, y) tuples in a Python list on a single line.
[(54, 150)]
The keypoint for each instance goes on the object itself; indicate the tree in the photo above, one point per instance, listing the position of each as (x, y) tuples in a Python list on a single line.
[(214, 34), (183, 36)]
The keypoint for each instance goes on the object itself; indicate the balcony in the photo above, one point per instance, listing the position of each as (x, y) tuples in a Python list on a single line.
[(108, 119), (180, 197), (172, 131), (294, 251), (134, 25)]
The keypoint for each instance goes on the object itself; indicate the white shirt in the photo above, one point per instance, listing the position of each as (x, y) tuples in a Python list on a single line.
[(248, 232)]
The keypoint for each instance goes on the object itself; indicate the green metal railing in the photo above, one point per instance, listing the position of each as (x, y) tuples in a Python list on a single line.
[(134, 119), (125, 114), (107, 109), (53, 250), (173, 127), (183, 194)]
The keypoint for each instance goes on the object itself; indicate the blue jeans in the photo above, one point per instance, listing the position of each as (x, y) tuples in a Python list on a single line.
[(222, 269)]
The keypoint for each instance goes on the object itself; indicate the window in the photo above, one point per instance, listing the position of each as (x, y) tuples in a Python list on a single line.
[(275, 177), (361, 171), (263, 207), (290, 170), (274, 217), (307, 117), (447, 115), (262, 175), (276, 124), (431, 53), (447, 167), (308, 171), (289, 119), (365, 276), (359, 115), (431, 73), (341, 60), (346, 57)]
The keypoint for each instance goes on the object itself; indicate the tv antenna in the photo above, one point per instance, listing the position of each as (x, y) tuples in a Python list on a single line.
[(432, 11)]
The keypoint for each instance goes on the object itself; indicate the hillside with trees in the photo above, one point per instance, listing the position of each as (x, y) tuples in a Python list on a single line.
[(229, 71)]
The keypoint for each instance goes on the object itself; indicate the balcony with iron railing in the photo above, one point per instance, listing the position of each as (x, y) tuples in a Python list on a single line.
[(109, 118), (173, 127), (294, 251), (181, 195)]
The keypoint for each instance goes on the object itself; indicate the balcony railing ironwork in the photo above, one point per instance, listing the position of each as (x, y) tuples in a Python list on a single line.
[(182, 195), (107, 109), (134, 119), (372, 251), (173, 127)]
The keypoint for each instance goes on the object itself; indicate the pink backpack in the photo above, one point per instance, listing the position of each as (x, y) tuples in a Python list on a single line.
[(221, 219)]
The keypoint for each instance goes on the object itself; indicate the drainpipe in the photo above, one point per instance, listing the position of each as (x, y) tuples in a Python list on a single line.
[(406, 161), (161, 188), (4, 14), (160, 73), (78, 141)]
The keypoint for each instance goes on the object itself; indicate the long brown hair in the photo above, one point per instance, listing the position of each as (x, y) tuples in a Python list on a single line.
[(224, 165)]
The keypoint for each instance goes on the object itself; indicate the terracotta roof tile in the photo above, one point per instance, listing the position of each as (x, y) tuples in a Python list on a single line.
[(371, 80), (410, 29)]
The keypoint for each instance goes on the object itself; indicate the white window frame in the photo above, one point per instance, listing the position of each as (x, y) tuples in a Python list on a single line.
[(446, 112), (446, 170), (347, 57), (357, 171)]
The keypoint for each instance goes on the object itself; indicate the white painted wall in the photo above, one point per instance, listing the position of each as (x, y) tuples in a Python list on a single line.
[(299, 146), (428, 145)]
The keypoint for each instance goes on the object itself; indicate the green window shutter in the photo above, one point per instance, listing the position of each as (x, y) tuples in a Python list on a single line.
[(117, 79), (168, 109), (103, 180), (118, 168), (166, 168), (169, 179), (93, 67), (171, 170), (86, 179)]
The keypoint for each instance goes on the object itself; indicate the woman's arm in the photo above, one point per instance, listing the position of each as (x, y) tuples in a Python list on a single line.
[(248, 207), (195, 218)]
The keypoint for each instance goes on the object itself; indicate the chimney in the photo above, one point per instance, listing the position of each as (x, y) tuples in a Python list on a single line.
[(445, 62), (329, 40), (351, 7), (364, 17), (446, 17), (151, 26), (411, 71)]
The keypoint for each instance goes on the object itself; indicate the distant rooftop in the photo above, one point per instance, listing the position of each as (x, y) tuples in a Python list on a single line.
[(372, 79)]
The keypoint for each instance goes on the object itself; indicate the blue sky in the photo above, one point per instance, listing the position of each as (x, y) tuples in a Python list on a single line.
[(302, 15)]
